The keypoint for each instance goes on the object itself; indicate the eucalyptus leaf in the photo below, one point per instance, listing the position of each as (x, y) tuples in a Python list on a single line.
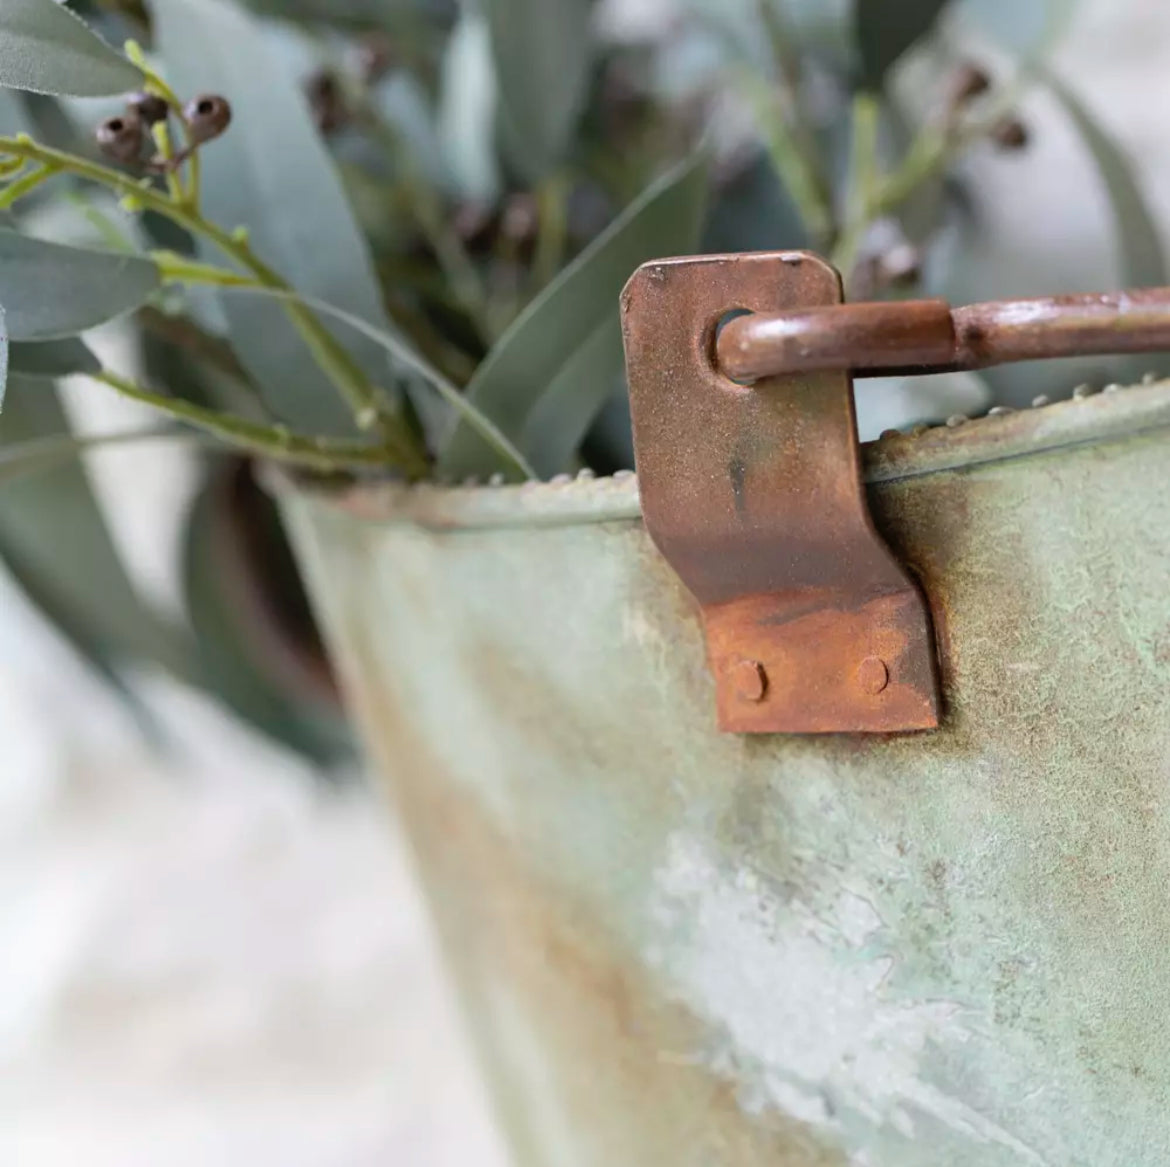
[(1028, 28), (752, 211), (563, 415), (4, 354), (231, 653), (543, 51), (52, 358), (388, 14), (54, 540), (885, 30), (1141, 253), (665, 220), (51, 290), (469, 98), (45, 48), (272, 174)]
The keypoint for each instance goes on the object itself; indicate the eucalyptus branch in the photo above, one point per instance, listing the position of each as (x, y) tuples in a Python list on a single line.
[(863, 183), (427, 211), (24, 185), (21, 459), (184, 272), (789, 71), (797, 168), (328, 455), (362, 397), (155, 83), (935, 149), (553, 229)]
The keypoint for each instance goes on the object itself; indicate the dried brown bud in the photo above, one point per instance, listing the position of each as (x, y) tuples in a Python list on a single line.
[(375, 58), (207, 116), (521, 218), (475, 224), (149, 107), (122, 137), (326, 102), (900, 266), (968, 82), (1010, 134)]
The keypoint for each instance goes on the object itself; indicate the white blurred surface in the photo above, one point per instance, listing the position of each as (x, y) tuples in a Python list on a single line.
[(213, 962)]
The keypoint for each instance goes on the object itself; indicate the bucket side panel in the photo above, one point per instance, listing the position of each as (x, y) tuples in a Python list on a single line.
[(684, 947)]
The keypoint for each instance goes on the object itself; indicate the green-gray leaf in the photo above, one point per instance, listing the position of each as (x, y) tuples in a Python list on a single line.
[(548, 336), (229, 647), (50, 290), (3, 355), (45, 48), (469, 98), (52, 358), (1027, 28), (54, 539), (1141, 253), (885, 30), (272, 173), (543, 54)]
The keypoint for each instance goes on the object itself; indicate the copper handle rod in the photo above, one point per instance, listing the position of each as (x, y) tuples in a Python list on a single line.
[(928, 336)]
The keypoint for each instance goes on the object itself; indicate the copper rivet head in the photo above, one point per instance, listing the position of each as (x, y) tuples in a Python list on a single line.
[(873, 675), (750, 680)]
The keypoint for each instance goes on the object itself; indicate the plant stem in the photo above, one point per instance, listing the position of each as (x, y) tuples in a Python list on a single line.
[(364, 400), (274, 442), (552, 197), (37, 454), (427, 211), (933, 150), (863, 183), (789, 71), (797, 171), (22, 186)]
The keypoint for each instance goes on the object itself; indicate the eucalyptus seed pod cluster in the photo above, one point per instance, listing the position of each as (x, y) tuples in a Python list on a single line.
[(127, 137)]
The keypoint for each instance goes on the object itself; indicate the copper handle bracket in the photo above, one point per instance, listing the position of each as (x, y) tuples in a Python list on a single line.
[(741, 375), (754, 496)]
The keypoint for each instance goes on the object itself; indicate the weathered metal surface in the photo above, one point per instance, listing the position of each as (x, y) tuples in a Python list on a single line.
[(680, 947), (927, 336), (754, 496)]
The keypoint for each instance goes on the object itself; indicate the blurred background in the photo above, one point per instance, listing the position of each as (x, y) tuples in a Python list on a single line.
[(211, 955)]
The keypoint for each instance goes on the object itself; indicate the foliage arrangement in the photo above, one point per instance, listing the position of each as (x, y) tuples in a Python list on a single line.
[(387, 237)]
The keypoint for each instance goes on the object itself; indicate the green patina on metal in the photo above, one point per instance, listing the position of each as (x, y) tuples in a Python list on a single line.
[(682, 947)]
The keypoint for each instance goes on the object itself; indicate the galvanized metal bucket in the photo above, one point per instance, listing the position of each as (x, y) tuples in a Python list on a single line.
[(678, 946)]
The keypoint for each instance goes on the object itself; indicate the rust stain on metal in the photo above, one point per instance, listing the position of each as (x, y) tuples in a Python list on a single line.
[(754, 496)]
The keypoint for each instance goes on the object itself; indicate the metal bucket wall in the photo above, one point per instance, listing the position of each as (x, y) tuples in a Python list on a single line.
[(680, 947)]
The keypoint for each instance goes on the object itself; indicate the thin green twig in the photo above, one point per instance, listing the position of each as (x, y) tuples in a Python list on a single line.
[(798, 173), (864, 182), (323, 454), (38, 454), (364, 399), (24, 185)]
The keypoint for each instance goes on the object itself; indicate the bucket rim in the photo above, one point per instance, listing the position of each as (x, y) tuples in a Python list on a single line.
[(1087, 417)]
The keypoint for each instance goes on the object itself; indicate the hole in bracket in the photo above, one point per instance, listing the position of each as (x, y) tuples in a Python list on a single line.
[(720, 324)]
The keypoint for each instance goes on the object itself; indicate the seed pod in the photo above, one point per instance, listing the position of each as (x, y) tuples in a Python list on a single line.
[(326, 102), (521, 218), (968, 82), (149, 107), (375, 58), (475, 224), (207, 116), (1010, 134), (900, 266), (122, 137)]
